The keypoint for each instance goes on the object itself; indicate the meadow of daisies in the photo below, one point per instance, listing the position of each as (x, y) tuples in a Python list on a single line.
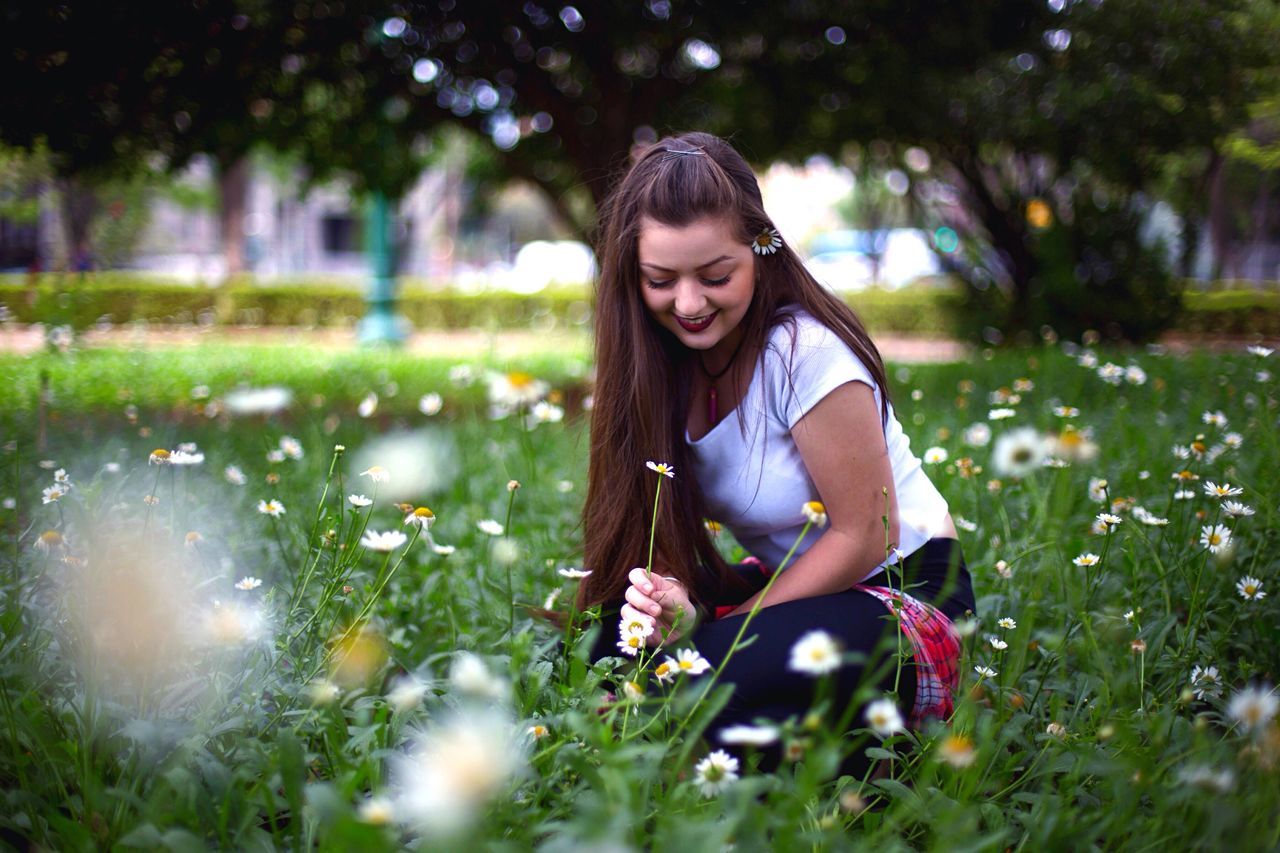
[(278, 598)]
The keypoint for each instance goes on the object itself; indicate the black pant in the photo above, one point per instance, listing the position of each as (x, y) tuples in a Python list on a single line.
[(765, 687)]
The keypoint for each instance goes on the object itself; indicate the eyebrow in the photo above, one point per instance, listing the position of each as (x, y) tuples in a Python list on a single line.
[(699, 267)]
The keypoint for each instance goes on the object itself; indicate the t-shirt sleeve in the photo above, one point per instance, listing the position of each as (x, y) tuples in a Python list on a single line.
[(821, 363)]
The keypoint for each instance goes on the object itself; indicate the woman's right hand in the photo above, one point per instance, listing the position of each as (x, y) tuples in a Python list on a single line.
[(662, 599)]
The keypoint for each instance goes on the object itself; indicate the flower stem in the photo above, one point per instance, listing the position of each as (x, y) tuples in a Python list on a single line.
[(653, 528)]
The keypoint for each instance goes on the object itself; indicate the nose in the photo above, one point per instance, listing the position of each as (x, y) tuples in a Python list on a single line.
[(690, 300)]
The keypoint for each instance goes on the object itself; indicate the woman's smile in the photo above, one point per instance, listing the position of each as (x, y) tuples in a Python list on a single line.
[(697, 280)]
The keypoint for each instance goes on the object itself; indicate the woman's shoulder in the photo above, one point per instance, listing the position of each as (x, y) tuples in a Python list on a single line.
[(798, 333)]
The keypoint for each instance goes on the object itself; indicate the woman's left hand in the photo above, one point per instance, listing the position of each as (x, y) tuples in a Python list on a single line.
[(664, 600)]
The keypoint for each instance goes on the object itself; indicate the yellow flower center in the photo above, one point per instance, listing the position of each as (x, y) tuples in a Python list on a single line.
[(423, 512), (160, 454), (519, 379), (51, 537), (663, 669)]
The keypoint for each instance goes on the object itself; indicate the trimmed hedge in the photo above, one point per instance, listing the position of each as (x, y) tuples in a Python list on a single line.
[(121, 298)]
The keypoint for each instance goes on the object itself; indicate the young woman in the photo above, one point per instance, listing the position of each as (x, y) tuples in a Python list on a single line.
[(719, 354)]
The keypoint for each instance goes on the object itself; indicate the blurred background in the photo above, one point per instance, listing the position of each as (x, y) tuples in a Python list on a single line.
[(998, 171)]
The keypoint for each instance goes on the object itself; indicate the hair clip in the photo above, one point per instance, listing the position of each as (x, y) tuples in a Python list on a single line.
[(686, 151), (767, 242)]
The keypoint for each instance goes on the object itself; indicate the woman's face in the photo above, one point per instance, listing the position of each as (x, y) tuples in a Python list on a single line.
[(697, 280)]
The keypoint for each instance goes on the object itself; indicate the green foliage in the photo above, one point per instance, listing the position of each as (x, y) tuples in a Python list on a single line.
[(928, 308), (1093, 272), (245, 756)]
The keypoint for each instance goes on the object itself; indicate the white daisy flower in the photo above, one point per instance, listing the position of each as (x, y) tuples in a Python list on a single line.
[(1110, 373), (744, 735), (1066, 411), (1001, 414), (1087, 559), (1260, 352), (631, 644), (1019, 452), (1226, 490), (421, 517), (815, 653), (468, 674), (985, 671), (455, 768), (377, 474), (1183, 495), (573, 574), (883, 717), (1205, 681), (1215, 537), (234, 475), (957, 750), (291, 447), (1235, 509), (273, 508), (632, 621), (815, 512), (52, 494), (359, 501), (1253, 707), (1097, 489), (1233, 440), (767, 242), (1108, 519), (406, 694), (275, 456), (977, 434), (965, 524), (1250, 588), (1135, 375), (383, 542), (935, 455), (997, 643), (443, 550), (490, 527), (1007, 623), (661, 467), (368, 405), (1217, 419), (690, 662), (715, 773), (248, 582)]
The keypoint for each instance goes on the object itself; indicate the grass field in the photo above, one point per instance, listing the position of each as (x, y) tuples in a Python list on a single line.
[(154, 694)]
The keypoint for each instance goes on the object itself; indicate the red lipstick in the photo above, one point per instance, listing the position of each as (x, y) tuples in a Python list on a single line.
[(699, 326)]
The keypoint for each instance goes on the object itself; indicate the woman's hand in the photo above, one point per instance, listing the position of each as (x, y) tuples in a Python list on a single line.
[(663, 600)]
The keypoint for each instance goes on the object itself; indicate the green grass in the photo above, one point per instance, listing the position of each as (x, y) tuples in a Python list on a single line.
[(123, 728)]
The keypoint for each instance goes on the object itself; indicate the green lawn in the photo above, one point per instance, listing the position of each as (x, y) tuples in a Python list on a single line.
[(149, 702)]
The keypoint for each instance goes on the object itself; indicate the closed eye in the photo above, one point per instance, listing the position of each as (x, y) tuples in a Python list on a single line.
[(710, 282)]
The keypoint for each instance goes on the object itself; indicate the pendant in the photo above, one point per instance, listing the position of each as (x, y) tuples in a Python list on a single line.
[(711, 406)]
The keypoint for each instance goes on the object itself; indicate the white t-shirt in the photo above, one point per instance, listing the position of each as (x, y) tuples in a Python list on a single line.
[(757, 484)]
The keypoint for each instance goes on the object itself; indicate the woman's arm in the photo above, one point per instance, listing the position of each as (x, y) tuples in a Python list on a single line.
[(841, 441)]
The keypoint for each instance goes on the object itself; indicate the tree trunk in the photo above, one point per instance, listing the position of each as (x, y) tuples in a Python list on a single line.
[(1008, 237), (1219, 219), (233, 188), (80, 206)]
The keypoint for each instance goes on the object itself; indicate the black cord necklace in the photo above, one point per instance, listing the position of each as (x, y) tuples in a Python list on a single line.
[(712, 409)]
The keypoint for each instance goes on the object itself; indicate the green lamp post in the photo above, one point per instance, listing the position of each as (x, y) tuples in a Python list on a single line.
[(381, 325)]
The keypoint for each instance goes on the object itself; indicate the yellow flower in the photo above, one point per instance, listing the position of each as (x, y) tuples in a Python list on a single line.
[(1039, 214)]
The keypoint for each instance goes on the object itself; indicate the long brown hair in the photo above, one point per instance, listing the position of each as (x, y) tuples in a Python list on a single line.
[(643, 373)]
